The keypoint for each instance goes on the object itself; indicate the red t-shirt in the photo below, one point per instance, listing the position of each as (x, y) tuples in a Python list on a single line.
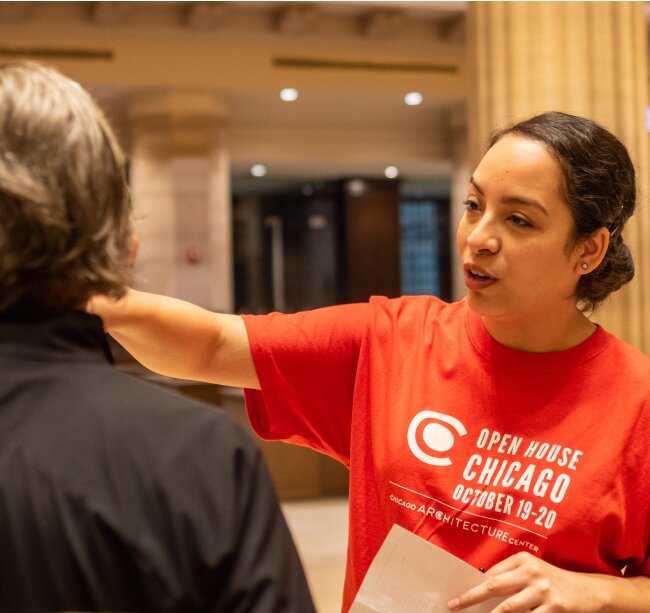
[(484, 450)]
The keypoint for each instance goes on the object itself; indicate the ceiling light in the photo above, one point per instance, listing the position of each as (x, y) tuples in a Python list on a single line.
[(391, 172), (413, 98), (258, 170), (289, 94)]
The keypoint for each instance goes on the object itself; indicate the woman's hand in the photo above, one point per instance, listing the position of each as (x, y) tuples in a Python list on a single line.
[(179, 339), (528, 583), (109, 309)]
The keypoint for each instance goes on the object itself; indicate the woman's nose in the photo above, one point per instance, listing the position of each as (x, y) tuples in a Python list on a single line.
[(483, 238)]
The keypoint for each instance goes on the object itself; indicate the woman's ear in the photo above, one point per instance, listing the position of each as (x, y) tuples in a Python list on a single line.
[(591, 251)]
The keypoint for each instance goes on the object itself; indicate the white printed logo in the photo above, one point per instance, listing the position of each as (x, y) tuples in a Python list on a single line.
[(437, 436)]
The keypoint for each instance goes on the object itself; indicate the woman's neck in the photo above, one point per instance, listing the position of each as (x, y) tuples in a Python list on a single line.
[(553, 332)]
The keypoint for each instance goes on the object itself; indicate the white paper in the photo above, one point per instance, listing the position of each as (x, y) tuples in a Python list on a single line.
[(411, 575)]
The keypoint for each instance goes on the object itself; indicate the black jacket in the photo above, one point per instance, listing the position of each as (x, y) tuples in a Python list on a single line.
[(118, 495)]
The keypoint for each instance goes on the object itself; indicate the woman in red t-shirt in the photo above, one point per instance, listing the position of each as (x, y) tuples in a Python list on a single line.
[(514, 377)]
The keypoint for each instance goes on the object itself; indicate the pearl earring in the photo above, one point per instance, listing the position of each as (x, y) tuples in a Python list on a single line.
[(584, 266)]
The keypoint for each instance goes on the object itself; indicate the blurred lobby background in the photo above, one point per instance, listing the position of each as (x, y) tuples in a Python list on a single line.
[(287, 155)]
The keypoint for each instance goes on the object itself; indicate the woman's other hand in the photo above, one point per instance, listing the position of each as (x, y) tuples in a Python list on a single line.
[(528, 583)]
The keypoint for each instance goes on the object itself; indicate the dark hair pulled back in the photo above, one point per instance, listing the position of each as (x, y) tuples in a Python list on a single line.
[(600, 189)]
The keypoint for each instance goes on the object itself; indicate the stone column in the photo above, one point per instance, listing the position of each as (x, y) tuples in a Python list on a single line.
[(180, 178), (585, 58)]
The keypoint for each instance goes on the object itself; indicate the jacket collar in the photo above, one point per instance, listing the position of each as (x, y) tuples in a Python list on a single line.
[(54, 333)]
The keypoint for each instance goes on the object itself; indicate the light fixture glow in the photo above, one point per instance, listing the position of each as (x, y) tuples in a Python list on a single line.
[(356, 187), (391, 172), (413, 98), (289, 94), (258, 170)]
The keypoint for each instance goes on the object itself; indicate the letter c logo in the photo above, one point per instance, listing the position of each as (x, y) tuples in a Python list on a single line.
[(430, 429)]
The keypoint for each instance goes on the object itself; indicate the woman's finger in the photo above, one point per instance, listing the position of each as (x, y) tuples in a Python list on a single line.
[(521, 602), (503, 584)]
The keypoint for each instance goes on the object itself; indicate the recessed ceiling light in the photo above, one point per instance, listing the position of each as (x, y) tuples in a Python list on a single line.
[(258, 170), (289, 94), (413, 98), (391, 172)]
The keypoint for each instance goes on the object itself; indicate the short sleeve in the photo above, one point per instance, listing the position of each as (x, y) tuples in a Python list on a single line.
[(307, 366)]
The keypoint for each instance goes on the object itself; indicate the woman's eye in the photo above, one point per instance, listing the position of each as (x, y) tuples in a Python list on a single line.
[(520, 221), (470, 205)]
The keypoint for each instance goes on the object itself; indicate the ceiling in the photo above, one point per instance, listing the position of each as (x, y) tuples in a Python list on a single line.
[(352, 62)]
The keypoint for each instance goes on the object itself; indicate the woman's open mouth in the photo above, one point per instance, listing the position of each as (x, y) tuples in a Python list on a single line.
[(477, 278)]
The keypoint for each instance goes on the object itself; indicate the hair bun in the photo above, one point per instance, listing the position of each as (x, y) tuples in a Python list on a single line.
[(616, 269)]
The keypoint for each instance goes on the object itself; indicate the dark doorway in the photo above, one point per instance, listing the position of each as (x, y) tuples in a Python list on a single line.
[(306, 244), (287, 247)]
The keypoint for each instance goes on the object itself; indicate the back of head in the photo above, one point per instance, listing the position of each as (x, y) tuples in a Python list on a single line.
[(64, 204)]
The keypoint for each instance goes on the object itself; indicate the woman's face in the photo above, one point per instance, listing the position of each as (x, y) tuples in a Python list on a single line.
[(513, 237)]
